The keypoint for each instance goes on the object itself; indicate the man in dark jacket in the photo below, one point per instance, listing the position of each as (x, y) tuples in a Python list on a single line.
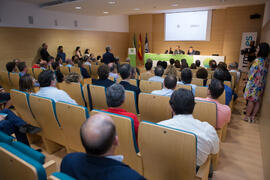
[(44, 52), (108, 57)]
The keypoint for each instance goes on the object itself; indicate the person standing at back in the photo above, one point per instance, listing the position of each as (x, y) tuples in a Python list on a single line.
[(108, 57), (44, 52), (61, 54), (99, 139)]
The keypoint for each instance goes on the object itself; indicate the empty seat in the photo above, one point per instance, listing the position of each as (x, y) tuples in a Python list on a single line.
[(94, 69), (44, 112), (5, 82), (36, 72), (169, 153), (64, 70), (74, 90), (146, 76), (71, 117), (183, 86), (201, 91), (95, 96), (197, 81), (149, 86), (75, 69), (154, 108), (14, 79), (130, 103), (127, 140)]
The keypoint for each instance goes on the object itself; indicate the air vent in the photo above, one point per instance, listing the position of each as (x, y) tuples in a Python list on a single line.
[(55, 22), (76, 23), (56, 2), (30, 20)]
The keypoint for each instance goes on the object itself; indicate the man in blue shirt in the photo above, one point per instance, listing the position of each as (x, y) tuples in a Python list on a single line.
[(98, 135), (220, 75)]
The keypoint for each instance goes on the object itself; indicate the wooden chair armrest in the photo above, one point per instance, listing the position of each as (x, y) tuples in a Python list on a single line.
[(203, 171), (50, 167)]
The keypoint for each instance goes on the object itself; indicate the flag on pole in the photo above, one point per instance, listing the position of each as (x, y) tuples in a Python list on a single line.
[(134, 41), (146, 45), (140, 55)]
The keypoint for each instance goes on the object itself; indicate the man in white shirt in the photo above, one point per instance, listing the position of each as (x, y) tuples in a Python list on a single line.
[(182, 103), (159, 71), (47, 81), (168, 86), (186, 78), (113, 71)]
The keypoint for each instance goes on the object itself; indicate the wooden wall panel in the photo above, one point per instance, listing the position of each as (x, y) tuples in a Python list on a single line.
[(265, 115), (226, 31), (24, 43)]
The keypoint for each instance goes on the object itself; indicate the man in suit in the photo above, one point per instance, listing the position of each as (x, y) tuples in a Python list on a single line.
[(99, 138), (125, 73), (103, 74), (108, 57), (179, 51), (44, 52)]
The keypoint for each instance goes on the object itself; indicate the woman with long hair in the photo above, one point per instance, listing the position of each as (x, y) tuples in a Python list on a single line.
[(78, 52), (256, 82)]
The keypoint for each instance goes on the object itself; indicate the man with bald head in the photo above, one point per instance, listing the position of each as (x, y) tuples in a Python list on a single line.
[(98, 136)]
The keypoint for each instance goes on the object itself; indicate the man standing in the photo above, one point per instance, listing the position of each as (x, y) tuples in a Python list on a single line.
[(108, 57), (44, 52)]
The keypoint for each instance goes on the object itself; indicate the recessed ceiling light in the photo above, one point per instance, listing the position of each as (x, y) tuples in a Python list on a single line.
[(78, 7), (106, 12), (136, 9), (174, 5), (111, 2)]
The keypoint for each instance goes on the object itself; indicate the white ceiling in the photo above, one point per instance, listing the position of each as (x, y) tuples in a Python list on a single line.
[(127, 7)]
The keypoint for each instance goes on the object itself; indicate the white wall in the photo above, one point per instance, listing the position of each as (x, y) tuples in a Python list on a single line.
[(266, 16), (15, 14)]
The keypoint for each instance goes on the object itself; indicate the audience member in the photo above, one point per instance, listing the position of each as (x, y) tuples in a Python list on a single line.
[(220, 75), (103, 74), (47, 81), (186, 78), (87, 52), (99, 138), (202, 73), (22, 68), (44, 52), (61, 54), (223, 66), (86, 60), (39, 63), (158, 75), (148, 67), (177, 64), (256, 82), (59, 60), (215, 90), (113, 71), (73, 77), (70, 62), (168, 86), (164, 65), (198, 63), (125, 73), (108, 57), (212, 65), (159, 63), (182, 104), (5, 97), (11, 67), (84, 71), (26, 83), (171, 69), (78, 52), (115, 98), (233, 67), (57, 72), (193, 66)]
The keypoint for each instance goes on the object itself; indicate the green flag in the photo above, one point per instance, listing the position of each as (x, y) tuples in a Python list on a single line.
[(134, 41)]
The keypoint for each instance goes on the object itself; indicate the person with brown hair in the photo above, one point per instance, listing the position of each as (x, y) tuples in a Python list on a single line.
[(103, 74), (26, 83), (73, 77), (202, 73)]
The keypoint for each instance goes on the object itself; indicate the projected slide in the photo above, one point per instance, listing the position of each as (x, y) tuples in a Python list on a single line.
[(188, 26)]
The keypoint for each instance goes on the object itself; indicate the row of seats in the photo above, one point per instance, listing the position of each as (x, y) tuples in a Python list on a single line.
[(27, 163), (60, 123)]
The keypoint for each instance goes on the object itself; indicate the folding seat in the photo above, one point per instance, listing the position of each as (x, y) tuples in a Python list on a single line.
[(19, 161), (95, 96), (112, 79), (130, 103), (133, 82), (127, 140), (146, 76), (169, 153), (75, 69), (64, 70), (71, 117), (149, 86), (88, 68), (87, 81), (154, 108), (74, 90), (60, 176), (94, 69), (44, 112), (5, 82), (201, 91), (197, 81), (183, 86), (14, 79), (36, 72)]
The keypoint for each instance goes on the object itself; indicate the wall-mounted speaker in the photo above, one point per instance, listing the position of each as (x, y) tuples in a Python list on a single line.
[(255, 16), (30, 20)]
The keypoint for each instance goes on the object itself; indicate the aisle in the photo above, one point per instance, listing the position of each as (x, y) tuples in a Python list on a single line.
[(241, 157)]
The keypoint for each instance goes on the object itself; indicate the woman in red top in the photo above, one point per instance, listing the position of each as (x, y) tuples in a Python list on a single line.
[(115, 98)]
